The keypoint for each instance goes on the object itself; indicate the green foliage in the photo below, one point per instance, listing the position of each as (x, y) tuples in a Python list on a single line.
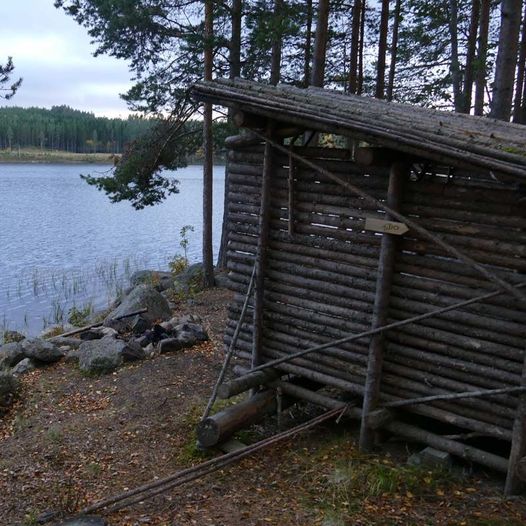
[(79, 316), (184, 239), (178, 265), (7, 91), (66, 129), (11, 337)]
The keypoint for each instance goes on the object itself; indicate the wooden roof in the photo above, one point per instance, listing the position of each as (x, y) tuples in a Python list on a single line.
[(445, 137)]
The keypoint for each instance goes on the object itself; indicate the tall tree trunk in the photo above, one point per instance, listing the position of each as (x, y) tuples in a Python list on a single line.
[(482, 57), (320, 44), (470, 56), (522, 118), (208, 164), (520, 85), (506, 59), (308, 45), (236, 10), (382, 50), (275, 59), (455, 64), (361, 45), (355, 45), (394, 50), (235, 39)]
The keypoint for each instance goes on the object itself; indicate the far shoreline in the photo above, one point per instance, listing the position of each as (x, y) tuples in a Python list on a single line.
[(32, 156), (28, 156)]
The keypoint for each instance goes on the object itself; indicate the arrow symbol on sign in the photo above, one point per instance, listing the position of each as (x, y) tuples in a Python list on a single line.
[(385, 227)]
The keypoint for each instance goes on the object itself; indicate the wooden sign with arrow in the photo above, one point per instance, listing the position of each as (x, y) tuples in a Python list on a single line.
[(385, 227)]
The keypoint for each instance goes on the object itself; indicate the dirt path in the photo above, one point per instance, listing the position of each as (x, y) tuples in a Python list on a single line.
[(72, 439)]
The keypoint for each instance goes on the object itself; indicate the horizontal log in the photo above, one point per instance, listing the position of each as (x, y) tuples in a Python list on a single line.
[(429, 411), (217, 428), (401, 372), (466, 452), (468, 417), (485, 327), (428, 248), (316, 398), (481, 217), (246, 382)]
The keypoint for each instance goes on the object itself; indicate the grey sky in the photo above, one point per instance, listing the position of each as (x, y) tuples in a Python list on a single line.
[(54, 56)]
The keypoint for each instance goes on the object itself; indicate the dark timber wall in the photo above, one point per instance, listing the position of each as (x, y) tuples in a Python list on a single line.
[(320, 282)]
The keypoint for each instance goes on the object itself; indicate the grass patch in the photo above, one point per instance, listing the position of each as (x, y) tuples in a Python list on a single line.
[(347, 484)]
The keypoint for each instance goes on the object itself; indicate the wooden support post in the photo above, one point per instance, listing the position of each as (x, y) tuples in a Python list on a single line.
[(264, 220), (381, 307), (514, 484)]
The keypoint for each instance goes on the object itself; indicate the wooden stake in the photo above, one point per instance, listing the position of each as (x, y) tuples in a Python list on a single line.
[(381, 308)]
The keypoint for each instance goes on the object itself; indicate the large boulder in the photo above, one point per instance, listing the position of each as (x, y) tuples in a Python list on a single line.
[(8, 388), (159, 280), (101, 356), (11, 354), (42, 350), (142, 296), (23, 367)]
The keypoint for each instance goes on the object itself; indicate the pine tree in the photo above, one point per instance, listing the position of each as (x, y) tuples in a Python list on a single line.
[(7, 91)]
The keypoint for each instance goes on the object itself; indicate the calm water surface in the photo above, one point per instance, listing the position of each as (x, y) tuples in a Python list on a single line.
[(62, 242)]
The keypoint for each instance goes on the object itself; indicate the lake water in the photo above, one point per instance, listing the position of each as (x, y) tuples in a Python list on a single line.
[(62, 242)]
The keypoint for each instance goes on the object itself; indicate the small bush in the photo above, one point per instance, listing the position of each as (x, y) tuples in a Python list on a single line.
[(178, 265), (79, 317)]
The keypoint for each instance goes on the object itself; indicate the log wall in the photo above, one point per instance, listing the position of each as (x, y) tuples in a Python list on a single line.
[(320, 282)]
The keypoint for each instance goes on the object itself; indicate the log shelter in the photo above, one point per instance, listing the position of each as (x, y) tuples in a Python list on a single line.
[(385, 244)]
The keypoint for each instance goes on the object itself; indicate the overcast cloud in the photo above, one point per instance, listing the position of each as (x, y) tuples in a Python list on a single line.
[(54, 56)]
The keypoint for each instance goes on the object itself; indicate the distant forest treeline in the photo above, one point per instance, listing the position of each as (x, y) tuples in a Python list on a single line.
[(66, 129)]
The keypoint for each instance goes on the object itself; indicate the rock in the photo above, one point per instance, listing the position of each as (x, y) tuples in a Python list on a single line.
[(140, 325), (186, 339), (133, 352), (108, 331), (192, 328), (142, 296), (150, 350), (41, 350), (186, 318), (431, 457), (8, 388), (91, 334), (167, 326), (159, 280), (84, 520), (23, 367), (72, 356), (67, 340), (171, 345), (11, 354), (101, 356), (144, 340), (12, 337)]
